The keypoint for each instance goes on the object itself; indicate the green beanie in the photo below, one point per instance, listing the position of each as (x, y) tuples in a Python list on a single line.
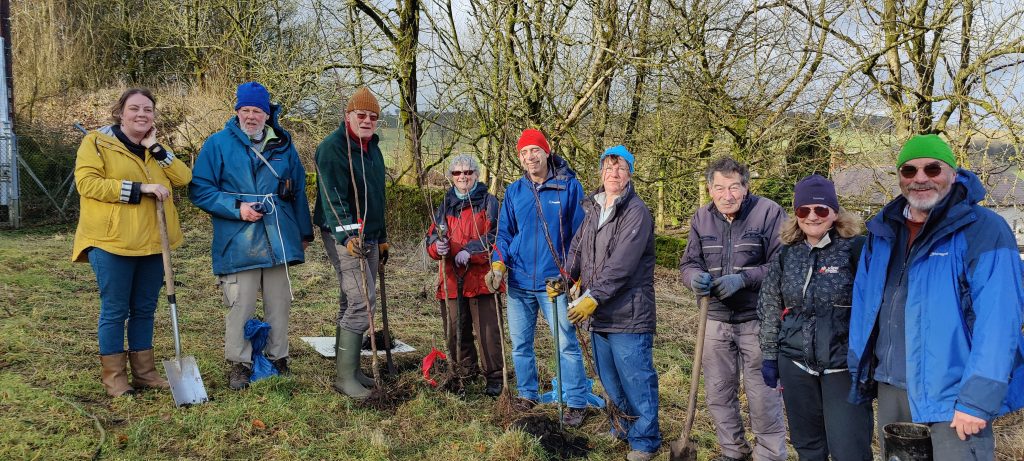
[(926, 146)]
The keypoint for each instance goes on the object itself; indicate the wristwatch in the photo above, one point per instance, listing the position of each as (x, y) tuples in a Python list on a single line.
[(156, 149)]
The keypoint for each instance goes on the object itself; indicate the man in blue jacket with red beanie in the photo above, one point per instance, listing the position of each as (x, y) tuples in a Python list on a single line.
[(538, 218), (935, 330)]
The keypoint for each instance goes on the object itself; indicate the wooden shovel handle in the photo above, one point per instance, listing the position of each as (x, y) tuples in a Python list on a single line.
[(698, 354), (165, 246)]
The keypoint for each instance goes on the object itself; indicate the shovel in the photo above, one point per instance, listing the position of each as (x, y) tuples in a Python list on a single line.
[(683, 449), (391, 369), (182, 372)]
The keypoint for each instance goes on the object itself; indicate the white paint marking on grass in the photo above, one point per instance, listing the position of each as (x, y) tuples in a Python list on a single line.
[(324, 345)]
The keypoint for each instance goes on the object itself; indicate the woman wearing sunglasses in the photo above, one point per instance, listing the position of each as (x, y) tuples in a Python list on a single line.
[(463, 231), (804, 308)]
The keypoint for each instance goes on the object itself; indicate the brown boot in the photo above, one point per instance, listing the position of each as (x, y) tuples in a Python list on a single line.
[(144, 372), (113, 376)]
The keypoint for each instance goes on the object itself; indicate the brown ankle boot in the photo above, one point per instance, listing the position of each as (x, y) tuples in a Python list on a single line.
[(144, 372), (113, 375)]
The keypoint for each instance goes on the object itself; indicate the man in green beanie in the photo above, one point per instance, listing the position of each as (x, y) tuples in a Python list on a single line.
[(935, 326)]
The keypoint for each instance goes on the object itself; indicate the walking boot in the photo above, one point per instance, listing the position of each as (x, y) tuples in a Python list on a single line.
[(366, 381), (238, 376), (144, 374), (114, 376), (346, 363)]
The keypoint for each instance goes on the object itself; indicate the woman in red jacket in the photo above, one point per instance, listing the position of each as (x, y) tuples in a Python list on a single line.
[(461, 237)]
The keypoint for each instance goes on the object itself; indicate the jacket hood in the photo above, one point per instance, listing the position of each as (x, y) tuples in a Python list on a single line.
[(232, 126), (964, 194), (561, 168)]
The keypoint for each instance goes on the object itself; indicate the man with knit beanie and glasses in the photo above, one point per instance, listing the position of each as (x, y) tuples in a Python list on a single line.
[(350, 213), (538, 218), (935, 327), (248, 176)]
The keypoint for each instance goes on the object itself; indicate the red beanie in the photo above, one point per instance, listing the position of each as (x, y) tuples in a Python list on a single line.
[(533, 137)]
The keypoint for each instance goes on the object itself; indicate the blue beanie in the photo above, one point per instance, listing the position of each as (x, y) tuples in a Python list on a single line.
[(619, 151), (253, 94), (815, 189)]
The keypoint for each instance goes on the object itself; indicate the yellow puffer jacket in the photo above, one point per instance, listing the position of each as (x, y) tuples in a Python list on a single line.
[(104, 173)]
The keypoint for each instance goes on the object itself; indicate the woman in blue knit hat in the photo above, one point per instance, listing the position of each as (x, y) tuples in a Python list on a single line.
[(804, 308)]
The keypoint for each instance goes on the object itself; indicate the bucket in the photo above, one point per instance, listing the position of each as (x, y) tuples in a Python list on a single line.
[(907, 442)]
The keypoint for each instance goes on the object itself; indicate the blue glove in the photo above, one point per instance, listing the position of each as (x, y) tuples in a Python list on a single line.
[(442, 247), (770, 373), (701, 283), (727, 285), (462, 258)]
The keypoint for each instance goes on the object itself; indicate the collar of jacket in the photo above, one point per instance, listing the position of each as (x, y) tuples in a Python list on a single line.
[(477, 197), (591, 205), (283, 138), (105, 135), (949, 215), (745, 206)]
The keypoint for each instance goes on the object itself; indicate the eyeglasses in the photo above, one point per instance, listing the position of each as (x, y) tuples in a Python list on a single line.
[(805, 211), (463, 172), (363, 115), (931, 170)]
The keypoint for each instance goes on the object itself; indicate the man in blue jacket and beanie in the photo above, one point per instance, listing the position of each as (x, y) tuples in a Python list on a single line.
[(935, 328), (538, 218), (249, 178)]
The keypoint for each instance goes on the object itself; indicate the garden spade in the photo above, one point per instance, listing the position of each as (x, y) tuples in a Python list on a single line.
[(182, 372), (684, 449)]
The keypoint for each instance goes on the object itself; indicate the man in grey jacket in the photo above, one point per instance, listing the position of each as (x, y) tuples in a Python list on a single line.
[(726, 257), (612, 256)]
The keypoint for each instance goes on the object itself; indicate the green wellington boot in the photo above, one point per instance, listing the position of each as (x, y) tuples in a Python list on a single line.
[(346, 363), (366, 381)]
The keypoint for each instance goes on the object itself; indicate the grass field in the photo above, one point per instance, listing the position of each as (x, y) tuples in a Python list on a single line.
[(52, 405)]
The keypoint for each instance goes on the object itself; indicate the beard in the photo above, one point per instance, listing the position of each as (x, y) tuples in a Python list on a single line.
[(255, 132), (925, 204)]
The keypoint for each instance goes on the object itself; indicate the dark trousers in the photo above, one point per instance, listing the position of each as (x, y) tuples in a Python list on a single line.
[(821, 421), (894, 407), (479, 320)]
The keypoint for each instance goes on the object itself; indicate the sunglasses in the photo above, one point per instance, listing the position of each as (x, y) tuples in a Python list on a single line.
[(805, 211), (463, 172), (362, 116), (931, 170)]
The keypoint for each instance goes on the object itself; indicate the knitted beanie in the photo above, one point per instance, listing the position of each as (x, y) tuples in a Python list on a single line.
[(619, 151), (363, 99), (533, 137), (815, 189), (926, 146), (252, 94)]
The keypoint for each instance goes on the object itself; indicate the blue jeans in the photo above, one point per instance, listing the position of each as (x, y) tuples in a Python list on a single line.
[(522, 323), (129, 287), (625, 364)]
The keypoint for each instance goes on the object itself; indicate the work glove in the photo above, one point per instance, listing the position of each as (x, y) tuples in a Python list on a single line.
[(462, 258), (770, 373), (701, 283), (442, 247), (551, 290), (582, 308), (494, 276), (355, 247), (727, 285), (382, 250)]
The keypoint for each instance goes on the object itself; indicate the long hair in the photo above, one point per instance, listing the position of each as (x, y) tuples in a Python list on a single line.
[(846, 224), (118, 108)]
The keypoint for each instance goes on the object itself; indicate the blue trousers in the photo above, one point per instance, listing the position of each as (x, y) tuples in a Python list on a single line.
[(129, 288), (522, 323), (625, 364)]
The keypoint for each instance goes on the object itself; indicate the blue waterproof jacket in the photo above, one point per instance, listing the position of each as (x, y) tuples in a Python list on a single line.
[(964, 348), (227, 173), (521, 242)]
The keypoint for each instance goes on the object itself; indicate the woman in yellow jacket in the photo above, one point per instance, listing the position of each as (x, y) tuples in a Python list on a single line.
[(120, 172)]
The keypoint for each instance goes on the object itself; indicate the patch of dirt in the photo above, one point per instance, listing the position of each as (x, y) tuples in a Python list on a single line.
[(555, 441)]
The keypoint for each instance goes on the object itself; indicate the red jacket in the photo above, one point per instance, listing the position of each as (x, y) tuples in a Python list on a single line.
[(471, 228)]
